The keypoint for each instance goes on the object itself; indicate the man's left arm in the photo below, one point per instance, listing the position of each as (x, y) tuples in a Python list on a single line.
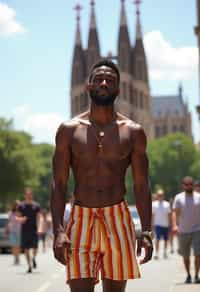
[(140, 170)]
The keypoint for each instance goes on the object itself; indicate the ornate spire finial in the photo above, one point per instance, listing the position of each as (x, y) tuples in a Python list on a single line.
[(78, 9), (137, 3), (123, 21), (92, 2), (92, 18), (138, 25)]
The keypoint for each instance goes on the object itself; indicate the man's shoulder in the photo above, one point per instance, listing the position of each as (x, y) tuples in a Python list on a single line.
[(196, 194), (128, 122), (21, 205), (68, 126), (36, 205), (179, 196)]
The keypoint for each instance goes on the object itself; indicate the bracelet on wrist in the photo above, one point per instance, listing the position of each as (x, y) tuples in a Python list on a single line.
[(148, 234)]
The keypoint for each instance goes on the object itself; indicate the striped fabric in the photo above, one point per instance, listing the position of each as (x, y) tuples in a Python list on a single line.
[(102, 239)]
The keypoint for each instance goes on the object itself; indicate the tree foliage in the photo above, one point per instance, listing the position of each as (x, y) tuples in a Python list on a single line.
[(22, 164), (171, 158)]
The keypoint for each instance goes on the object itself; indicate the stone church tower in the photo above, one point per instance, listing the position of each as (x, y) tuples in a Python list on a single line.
[(158, 115), (134, 100)]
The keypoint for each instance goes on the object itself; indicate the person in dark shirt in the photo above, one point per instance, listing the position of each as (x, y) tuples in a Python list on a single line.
[(28, 211)]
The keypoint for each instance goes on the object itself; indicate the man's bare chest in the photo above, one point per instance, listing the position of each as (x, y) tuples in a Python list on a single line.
[(112, 144)]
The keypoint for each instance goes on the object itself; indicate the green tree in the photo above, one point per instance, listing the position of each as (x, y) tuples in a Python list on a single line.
[(17, 162), (171, 158), (43, 154)]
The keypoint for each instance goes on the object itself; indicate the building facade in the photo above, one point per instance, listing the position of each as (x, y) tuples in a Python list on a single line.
[(135, 99), (170, 115)]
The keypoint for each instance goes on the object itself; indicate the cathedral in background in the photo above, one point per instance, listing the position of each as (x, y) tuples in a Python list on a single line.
[(159, 115)]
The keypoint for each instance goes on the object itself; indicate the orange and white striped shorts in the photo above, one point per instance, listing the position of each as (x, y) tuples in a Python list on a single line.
[(102, 240)]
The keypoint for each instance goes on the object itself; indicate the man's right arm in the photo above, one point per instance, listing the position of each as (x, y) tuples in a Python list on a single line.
[(61, 165), (175, 215)]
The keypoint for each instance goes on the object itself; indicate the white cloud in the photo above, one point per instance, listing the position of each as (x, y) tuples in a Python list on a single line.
[(8, 23), (169, 63), (42, 126)]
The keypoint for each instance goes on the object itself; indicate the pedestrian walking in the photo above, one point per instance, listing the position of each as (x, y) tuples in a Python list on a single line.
[(14, 231), (187, 222), (99, 145), (43, 228), (172, 234), (161, 221), (28, 215)]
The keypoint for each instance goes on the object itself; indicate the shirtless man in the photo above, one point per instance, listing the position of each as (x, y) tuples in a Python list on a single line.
[(99, 145)]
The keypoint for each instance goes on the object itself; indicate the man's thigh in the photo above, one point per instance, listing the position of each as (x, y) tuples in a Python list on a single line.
[(185, 243), (196, 243), (113, 285), (80, 285)]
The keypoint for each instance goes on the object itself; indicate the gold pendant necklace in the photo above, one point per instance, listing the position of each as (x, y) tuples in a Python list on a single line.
[(101, 133)]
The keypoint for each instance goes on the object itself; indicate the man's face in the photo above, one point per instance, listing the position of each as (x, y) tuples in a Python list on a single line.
[(188, 185), (28, 195), (160, 196), (104, 86)]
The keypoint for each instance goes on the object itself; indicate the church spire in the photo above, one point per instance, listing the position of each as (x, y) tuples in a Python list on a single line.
[(78, 8), (138, 23), (93, 53), (139, 63), (123, 41), (92, 17), (123, 21), (78, 67)]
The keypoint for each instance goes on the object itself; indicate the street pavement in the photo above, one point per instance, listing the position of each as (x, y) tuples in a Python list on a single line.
[(163, 275)]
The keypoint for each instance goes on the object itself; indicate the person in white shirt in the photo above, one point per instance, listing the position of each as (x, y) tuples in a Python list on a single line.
[(186, 221), (161, 221)]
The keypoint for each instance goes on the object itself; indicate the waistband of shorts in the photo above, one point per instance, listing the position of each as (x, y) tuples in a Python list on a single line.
[(122, 202)]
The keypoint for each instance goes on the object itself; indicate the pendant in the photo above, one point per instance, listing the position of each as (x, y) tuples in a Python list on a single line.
[(100, 145), (101, 134)]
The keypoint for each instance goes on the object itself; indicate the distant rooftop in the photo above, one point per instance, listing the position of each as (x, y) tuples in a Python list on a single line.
[(171, 104)]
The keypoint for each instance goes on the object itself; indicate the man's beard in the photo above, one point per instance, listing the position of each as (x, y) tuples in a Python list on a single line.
[(102, 100)]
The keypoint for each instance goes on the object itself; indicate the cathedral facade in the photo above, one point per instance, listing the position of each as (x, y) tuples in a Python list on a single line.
[(135, 100)]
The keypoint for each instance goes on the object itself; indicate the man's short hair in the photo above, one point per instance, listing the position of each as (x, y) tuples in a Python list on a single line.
[(107, 63), (188, 178)]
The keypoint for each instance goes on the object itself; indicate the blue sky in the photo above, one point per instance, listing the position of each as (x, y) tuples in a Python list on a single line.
[(36, 45)]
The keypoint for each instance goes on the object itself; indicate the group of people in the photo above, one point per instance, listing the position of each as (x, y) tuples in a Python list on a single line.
[(27, 223), (181, 217), (98, 235)]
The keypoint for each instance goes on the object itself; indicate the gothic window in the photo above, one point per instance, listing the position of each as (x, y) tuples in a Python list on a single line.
[(124, 91), (141, 100), (136, 98), (123, 60), (85, 99), (131, 94), (139, 71), (76, 105)]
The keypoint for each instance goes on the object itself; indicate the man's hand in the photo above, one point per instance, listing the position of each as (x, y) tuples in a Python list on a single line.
[(144, 242), (175, 229), (61, 247)]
